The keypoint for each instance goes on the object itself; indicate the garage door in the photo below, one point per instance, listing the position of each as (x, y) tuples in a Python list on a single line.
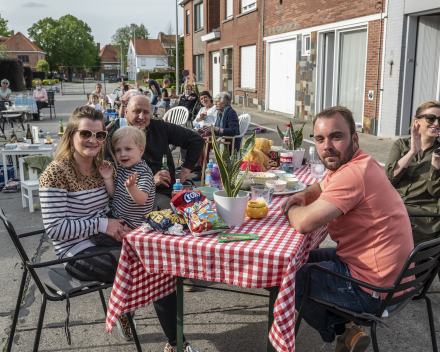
[(282, 69)]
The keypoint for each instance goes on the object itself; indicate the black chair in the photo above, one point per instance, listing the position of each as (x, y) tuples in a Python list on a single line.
[(55, 284), (51, 103), (425, 259)]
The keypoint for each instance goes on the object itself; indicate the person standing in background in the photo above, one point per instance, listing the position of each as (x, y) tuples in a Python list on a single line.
[(40, 96)]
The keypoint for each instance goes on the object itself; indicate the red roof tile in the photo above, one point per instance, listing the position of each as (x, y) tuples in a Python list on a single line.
[(108, 54), (148, 47), (19, 42)]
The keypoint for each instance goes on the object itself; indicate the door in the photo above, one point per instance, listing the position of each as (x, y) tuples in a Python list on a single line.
[(102, 76), (327, 77), (426, 84), (282, 72), (215, 73)]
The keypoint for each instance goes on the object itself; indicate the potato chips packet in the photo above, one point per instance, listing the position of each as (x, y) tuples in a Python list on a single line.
[(202, 219), (185, 199), (163, 220)]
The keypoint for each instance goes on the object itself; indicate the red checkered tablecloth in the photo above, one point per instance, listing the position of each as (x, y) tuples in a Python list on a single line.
[(149, 264)]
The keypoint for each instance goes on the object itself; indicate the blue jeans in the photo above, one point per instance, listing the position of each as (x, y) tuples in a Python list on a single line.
[(154, 100), (332, 289)]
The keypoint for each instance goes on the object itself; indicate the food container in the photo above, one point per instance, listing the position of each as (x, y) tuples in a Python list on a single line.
[(10, 146), (263, 178), (208, 192), (291, 182), (278, 185), (278, 173), (23, 146), (274, 158), (34, 146), (256, 209), (48, 145)]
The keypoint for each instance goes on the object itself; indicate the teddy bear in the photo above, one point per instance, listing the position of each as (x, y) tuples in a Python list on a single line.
[(259, 153)]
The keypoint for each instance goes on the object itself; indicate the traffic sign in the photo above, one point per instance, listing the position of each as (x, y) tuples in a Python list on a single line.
[(127, 68), (185, 73)]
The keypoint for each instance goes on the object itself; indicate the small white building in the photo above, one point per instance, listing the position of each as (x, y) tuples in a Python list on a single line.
[(145, 54)]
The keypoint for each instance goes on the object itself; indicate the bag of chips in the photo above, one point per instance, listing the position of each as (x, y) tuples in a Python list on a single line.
[(202, 219), (162, 221), (185, 199)]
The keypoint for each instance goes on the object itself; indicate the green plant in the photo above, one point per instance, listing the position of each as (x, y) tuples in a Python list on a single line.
[(42, 65), (229, 166), (297, 137)]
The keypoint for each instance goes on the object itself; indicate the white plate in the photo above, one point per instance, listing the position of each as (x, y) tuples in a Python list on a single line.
[(298, 188)]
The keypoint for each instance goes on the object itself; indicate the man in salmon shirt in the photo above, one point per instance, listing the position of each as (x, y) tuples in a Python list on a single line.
[(367, 219)]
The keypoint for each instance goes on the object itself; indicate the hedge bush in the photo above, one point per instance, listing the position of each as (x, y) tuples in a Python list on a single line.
[(171, 75), (45, 82), (27, 72), (12, 70)]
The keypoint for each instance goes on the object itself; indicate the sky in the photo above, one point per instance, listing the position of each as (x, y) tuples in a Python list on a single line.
[(103, 17)]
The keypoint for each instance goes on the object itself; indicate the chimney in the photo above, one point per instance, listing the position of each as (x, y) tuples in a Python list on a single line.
[(12, 33), (160, 37), (99, 46)]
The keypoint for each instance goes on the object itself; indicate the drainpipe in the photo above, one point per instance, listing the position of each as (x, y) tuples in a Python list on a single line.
[(378, 5), (262, 59)]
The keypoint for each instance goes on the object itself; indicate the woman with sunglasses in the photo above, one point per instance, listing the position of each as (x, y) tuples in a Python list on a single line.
[(5, 92), (74, 201), (413, 168)]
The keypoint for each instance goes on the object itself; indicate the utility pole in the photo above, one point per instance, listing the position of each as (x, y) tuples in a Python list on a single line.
[(177, 48), (135, 59)]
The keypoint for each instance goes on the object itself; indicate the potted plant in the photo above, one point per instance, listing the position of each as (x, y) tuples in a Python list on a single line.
[(231, 203), (295, 144)]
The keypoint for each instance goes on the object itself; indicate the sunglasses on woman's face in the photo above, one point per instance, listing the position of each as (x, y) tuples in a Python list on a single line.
[(86, 135), (430, 118)]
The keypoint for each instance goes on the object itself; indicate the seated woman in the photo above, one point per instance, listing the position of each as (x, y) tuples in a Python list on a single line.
[(5, 92), (40, 96), (414, 170), (74, 202)]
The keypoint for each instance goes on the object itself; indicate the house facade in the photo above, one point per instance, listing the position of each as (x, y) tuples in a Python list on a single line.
[(291, 58), (20, 47), (110, 61)]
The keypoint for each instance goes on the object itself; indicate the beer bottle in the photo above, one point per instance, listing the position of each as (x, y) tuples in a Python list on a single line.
[(61, 126), (29, 137), (164, 163)]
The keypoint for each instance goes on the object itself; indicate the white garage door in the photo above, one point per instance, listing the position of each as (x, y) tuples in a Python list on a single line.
[(282, 70)]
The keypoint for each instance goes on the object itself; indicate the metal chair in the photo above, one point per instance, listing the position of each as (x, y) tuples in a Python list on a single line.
[(421, 268), (51, 103), (55, 284)]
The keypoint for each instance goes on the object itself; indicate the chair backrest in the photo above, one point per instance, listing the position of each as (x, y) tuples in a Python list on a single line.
[(244, 120), (50, 97), (178, 115), (416, 276)]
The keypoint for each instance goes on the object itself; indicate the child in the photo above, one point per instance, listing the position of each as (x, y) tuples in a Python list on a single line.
[(174, 98), (94, 102), (132, 191)]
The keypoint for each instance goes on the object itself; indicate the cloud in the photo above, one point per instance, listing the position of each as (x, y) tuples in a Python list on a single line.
[(33, 4)]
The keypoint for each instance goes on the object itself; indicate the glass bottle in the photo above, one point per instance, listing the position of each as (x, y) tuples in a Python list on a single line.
[(164, 163), (29, 137)]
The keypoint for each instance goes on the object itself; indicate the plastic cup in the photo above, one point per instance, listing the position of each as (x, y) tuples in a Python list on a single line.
[(261, 192)]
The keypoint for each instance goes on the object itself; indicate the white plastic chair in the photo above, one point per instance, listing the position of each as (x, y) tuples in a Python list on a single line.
[(178, 115), (27, 186), (243, 121), (111, 99)]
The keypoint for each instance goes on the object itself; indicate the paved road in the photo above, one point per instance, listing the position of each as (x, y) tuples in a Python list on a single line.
[(214, 321)]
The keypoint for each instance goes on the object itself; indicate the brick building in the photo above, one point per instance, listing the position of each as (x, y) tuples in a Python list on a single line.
[(110, 61), (294, 58), (20, 47)]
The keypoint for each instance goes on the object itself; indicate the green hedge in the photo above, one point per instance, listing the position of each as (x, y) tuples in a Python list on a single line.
[(45, 82), (12, 70), (171, 75)]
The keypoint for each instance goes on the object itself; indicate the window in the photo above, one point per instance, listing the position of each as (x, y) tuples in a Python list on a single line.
[(187, 22), (247, 5), (198, 16), (200, 68), (24, 58), (306, 45), (229, 8), (143, 62), (108, 67), (248, 66), (159, 62)]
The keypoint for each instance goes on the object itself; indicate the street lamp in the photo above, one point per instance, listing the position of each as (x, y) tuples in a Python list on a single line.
[(135, 59), (177, 47)]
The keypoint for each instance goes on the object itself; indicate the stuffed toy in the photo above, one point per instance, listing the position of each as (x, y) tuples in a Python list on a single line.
[(259, 153)]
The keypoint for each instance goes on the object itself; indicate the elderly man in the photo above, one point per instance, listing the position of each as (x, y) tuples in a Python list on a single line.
[(367, 219), (160, 135)]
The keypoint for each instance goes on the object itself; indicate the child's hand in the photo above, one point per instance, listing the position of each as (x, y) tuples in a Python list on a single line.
[(106, 171), (131, 180)]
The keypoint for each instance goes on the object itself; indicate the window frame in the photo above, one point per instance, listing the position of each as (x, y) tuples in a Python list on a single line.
[(304, 50), (242, 64), (159, 62), (26, 61), (199, 59), (250, 7), (187, 22), (198, 17), (143, 62), (231, 15)]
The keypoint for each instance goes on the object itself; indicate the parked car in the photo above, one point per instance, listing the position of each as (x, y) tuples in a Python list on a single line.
[(122, 78), (57, 76), (112, 78)]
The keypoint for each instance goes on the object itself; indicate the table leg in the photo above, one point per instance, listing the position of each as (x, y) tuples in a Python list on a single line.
[(5, 168), (14, 162), (179, 313), (272, 298)]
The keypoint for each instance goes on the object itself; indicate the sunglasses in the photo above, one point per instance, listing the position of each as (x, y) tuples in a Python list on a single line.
[(86, 135), (430, 118)]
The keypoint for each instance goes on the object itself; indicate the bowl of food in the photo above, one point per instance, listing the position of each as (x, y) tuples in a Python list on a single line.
[(22, 146), (263, 178), (10, 146), (277, 185), (291, 182), (48, 145), (34, 146), (208, 192)]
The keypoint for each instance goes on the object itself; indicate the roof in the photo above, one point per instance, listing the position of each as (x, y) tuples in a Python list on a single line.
[(148, 47), (19, 42), (108, 54), (167, 39)]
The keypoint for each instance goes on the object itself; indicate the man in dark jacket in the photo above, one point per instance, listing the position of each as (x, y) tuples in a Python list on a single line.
[(160, 135)]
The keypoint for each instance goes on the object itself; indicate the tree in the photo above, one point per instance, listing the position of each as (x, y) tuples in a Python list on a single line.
[(4, 31), (42, 66), (46, 34), (122, 39), (97, 64), (4, 52), (169, 43), (181, 58)]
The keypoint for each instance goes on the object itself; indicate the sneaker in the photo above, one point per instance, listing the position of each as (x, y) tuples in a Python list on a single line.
[(197, 169), (186, 348), (124, 327), (197, 178), (41, 114), (189, 288), (353, 340)]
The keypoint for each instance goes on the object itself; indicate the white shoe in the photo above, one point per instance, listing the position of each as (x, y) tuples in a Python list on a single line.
[(41, 116)]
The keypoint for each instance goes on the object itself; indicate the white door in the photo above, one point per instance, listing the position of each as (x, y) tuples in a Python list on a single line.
[(102, 76), (282, 71), (215, 73)]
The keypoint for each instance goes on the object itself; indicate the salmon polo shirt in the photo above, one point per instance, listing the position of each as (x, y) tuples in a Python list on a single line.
[(373, 236)]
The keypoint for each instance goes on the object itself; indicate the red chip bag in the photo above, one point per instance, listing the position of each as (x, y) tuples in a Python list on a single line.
[(253, 166), (185, 199)]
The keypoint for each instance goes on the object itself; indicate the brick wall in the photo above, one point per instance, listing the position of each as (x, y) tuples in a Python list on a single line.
[(188, 40), (33, 57)]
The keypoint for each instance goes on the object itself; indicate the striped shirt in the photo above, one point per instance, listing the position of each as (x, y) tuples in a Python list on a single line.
[(122, 205), (73, 208)]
